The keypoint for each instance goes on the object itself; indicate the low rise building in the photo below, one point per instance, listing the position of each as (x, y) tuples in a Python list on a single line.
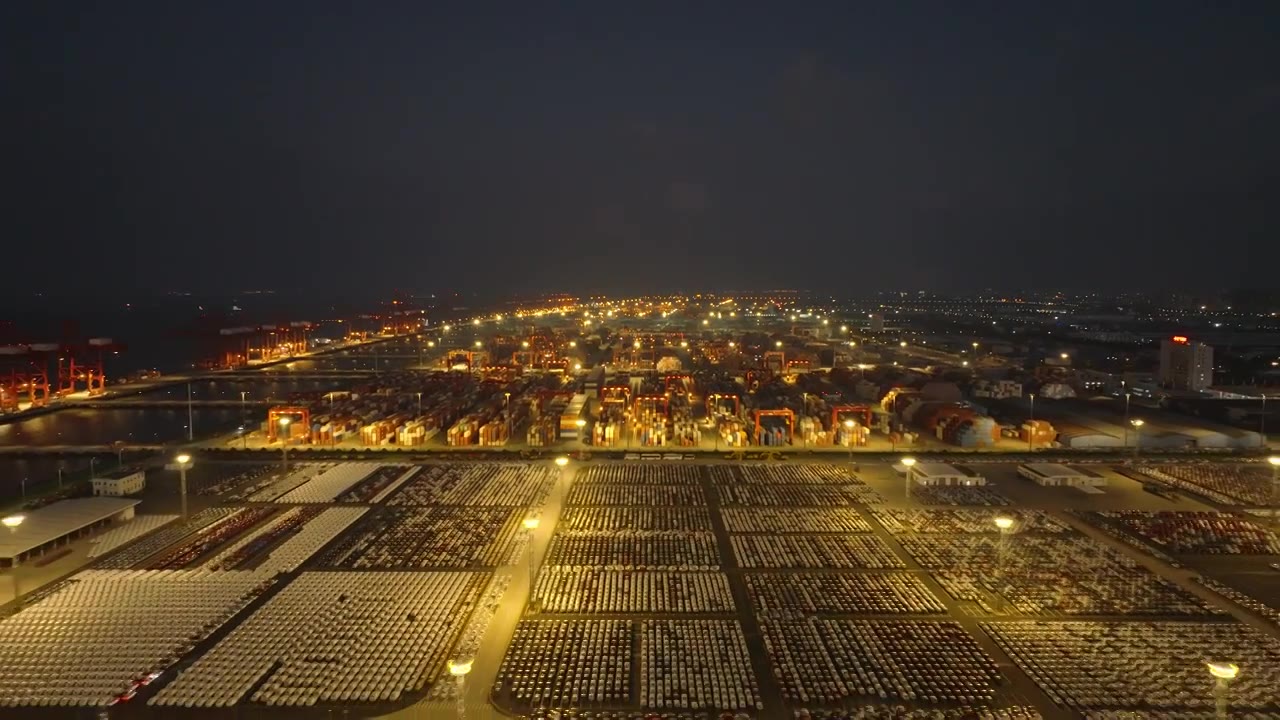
[(120, 483)]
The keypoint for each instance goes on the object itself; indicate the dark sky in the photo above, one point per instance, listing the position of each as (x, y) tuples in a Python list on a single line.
[(540, 145)]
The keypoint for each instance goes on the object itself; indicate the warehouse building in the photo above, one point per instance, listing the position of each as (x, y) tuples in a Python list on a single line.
[(53, 526), (1056, 475)]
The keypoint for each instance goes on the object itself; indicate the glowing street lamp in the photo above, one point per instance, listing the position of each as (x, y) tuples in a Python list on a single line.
[(777, 343), (1004, 524), (909, 463), (284, 444), (459, 668), (1223, 674), (1275, 484), (1137, 424), (530, 524), (183, 463), (12, 522)]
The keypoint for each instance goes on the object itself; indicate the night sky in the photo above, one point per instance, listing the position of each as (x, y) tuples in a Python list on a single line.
[(545, 146)]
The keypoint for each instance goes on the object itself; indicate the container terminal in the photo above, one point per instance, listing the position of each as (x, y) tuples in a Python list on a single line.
[(666, 507)]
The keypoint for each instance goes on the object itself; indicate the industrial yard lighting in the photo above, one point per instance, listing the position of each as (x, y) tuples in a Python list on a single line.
[(573, 343), (844, 328), (447, 328), (431, 343), (848, 439), (1223, 674), (459, 669), (909, 463), (420, 404), (902, 344), (524, 343), (1262, 420), (284, 444), (1275, 484), (476, 322), (1031, 419), (636, 344), (12, 522), (1003, 524), (1126, 418), (685, 343), (577, 366), (562, 461), (530, 524), (1064, 356), (964, 363), (479, 344), (731, 345), (777, 343), (706, 322), (183, 463), (1137, 424)]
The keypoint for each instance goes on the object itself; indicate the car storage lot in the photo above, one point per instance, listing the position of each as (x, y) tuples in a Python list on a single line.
[(684, 587)]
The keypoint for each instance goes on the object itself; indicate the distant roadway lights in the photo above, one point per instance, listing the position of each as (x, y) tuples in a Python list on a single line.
[(476, 322), (447, 327), (902, 344)]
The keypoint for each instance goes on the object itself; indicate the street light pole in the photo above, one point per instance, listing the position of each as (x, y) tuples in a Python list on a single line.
[(531, 524), (1031, 424), (909, 464), (1137, 424), (848, 438), (1275, 485), (12, 522), (284, 445), (183, 462), (1223, 674), (1003, 524), (1126, 418), (191, 428)]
